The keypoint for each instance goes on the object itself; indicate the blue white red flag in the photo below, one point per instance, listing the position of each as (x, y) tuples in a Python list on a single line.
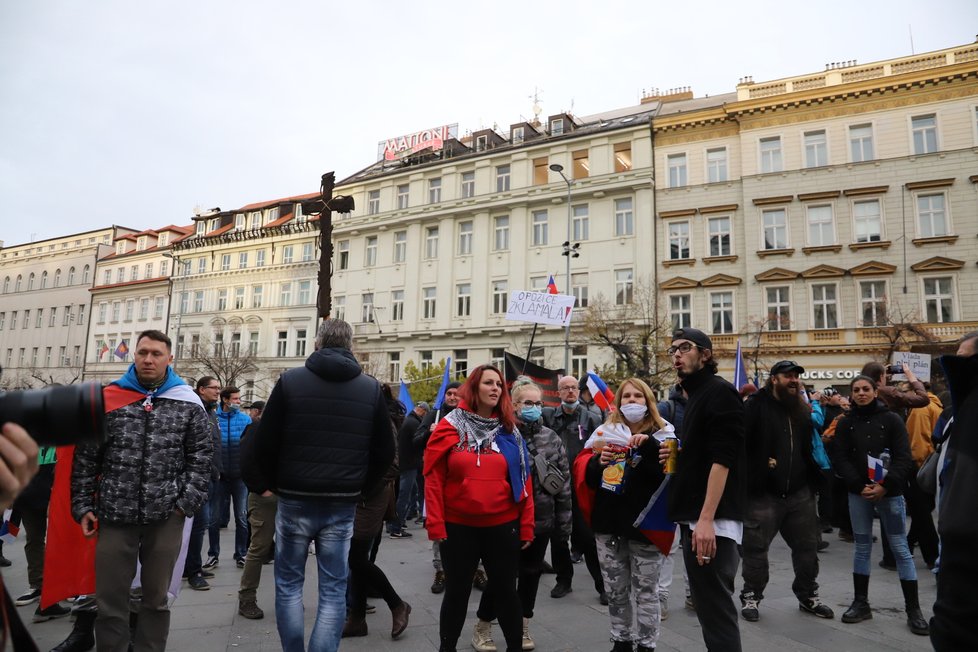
[(740, 373), (653, 522), (552, 286), (604, 398), (10, 527)]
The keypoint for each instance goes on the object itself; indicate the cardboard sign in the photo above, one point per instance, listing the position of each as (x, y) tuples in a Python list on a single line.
[(918, 363), (540, 307)]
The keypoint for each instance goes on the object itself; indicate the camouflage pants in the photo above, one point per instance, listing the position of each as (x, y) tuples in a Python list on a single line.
[(631, 576)]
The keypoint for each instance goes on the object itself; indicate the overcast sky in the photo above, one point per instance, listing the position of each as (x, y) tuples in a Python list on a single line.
[(133, 113)]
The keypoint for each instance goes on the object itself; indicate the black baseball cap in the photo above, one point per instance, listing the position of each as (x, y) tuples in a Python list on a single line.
[(694, 335), (257, 405), (786, 366)]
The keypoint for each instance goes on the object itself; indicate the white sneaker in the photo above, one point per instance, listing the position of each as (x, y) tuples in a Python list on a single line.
[(528, 643), (482, 637), (663, 608)]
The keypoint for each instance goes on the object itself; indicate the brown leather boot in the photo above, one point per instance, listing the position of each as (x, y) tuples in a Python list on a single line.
[(399, 618), (354, 626)]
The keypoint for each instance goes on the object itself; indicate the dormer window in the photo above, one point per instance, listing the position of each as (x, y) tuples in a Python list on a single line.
[(481, 143), (271, 215), (163, 239), (120, 247), (213, 223), (517, 136), (300, 217), (201, 226), (239, 222), (141, 242), (556, 126)]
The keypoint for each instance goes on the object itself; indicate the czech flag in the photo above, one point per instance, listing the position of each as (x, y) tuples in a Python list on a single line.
[(10, 527), (875, 468), (122, 350), (552, 286), (103, 350), (653, 522), (604, 398), (740, 373)]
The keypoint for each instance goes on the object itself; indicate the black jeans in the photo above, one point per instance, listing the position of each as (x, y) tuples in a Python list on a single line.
[(919, 507), (711, 586), (365, 573), (499, 548), (582, 540), (531, 568), (794, 517)]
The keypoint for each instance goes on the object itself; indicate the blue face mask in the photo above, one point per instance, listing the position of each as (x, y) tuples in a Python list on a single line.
[(234, 407), (530, 414), (571, 406)]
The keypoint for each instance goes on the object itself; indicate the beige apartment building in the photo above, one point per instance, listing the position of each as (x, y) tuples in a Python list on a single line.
[(45, 306)]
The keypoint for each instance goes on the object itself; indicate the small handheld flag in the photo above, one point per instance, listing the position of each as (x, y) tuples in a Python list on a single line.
[(604, 398), (552, 286), (740, 373)]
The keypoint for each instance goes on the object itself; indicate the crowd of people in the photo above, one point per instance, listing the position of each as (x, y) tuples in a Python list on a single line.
[(333, 462)]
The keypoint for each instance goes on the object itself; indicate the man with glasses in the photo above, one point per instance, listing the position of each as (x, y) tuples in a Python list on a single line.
[(707, 496), (209, 391), (574, 423)]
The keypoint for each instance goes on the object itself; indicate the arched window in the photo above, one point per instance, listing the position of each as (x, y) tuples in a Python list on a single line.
[(6, 284), (57, 278), (71, 276), (44, 279), (30, 282), (86, 274), (18, 283)]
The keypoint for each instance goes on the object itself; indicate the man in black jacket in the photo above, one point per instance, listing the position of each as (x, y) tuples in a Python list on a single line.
[(706, 494), (407, 461), (324, 439), (782, 479)]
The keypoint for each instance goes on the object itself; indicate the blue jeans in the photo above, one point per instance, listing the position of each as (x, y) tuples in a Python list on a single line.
[(224, 491), (893, 516), (404, 496), (330, 525)]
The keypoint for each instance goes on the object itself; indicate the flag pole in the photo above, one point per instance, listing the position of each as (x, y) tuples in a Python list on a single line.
[(533, 334)]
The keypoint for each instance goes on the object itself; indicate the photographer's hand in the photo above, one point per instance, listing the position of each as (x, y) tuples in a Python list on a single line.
[(89, 524), (18, 462)]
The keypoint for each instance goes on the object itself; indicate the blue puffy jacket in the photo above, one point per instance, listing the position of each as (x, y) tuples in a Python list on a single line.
[(232, 425)]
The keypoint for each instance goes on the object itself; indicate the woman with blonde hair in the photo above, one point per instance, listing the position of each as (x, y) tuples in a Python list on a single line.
[(625, 473)]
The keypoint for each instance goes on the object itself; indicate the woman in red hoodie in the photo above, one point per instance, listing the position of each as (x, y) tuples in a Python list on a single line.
[(479, 499)]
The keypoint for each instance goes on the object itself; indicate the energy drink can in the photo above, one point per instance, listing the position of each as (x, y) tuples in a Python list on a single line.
[(673, 445)]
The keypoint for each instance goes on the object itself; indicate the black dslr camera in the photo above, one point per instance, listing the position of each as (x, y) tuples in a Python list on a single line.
[(59, 415)]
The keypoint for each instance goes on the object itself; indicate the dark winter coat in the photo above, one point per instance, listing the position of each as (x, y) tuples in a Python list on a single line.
[(771, 432), (151, 463), (326, 431), (673, 409), (713, 433), (867, 431), (232, 424), (423, 433), (573, 429), (408, 455), (551, 513)]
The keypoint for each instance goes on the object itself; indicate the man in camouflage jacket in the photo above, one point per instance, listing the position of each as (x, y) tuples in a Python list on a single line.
[(135, 489)]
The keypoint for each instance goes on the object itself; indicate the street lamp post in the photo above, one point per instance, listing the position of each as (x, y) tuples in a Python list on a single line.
[(183, 288), (570, 251)]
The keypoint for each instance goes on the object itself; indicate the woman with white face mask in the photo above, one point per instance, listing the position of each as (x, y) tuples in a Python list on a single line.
[(630, 562)]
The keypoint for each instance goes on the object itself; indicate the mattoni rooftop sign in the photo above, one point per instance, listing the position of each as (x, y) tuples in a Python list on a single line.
[(433, 137)]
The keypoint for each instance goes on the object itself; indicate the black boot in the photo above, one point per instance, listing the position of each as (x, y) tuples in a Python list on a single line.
[(859, 610), (82, 636), (622, 646), (915, 619)]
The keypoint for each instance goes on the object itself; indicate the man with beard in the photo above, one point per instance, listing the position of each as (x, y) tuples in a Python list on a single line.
[(782, 479), (706, 497)]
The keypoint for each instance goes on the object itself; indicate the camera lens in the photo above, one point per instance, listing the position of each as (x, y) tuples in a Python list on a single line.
[(57, 416)]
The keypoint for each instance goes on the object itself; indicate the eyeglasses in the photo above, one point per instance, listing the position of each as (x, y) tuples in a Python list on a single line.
[(568, 389), (532, 403), (685, 347)]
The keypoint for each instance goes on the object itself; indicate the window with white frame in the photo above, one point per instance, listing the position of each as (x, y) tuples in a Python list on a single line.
[(163, 239), (721, 312), (923, 129), (678, 235), (254, 220), (307, 251), (431, 242), (825, 306), (103, 309), (239, 298), (367, 307), (538, 284), (394, 365), (288, 254), (272, 214), (770, 153), (716, 165), (872, 303), (579, 289), (222, 300), (932, 215), (427, 360), (257, 293), (201, 265), (624, 217), (133, 274), (40, 316), (143, 309), (460, 359), (556, 126), (304, 295), (370, 251), (235, 348), (517, 136), (27, 319), (300, 342), (130, 311), (120, 247), (30, 282), (400, 246), (81, 314), (339, 308), (541, 227), (463, 299), (481, 143), (282, 344), (580, 223), (159, 307), (502, 178), (500, 233), (164, 268), (285, 294), (148, 271), (778, 308), (868, 220), (465, 238), (373, 202), (242, 260), (253, 338), (676, 166), (579, 361), (939, 299), (434, 190), (239, 222), (428, 296), (624, 286), (343, 252), (468, 185), (500, 297), (397, 305), (44, 278), (402, 195), (775, 223), (816, 149), (861, 143), (680, 311), (821, 225), (106, 276), (719, 234), (184, 303), (120, 277)]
